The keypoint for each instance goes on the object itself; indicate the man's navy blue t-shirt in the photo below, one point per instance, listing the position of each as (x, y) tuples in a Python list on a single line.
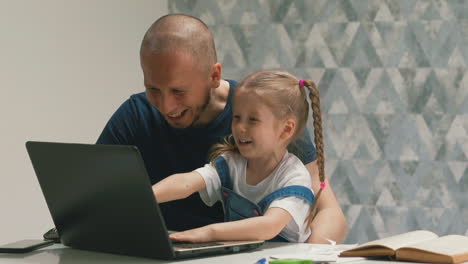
[(167, 150)]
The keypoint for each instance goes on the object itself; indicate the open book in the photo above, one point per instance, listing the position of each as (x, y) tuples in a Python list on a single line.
[(419, 246)]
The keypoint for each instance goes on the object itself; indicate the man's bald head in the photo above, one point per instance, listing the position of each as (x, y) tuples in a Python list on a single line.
[(181, 33)]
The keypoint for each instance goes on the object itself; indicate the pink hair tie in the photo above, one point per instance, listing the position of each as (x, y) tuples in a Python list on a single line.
[(322, 185), (301, 83)]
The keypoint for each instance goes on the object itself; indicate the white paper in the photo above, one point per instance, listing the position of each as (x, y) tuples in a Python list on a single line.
[(317, 252)]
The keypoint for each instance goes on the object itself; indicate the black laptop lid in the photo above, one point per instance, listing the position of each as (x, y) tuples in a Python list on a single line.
[(94, 203)]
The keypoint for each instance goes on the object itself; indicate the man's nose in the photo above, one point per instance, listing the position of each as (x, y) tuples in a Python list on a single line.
[(168, 103)]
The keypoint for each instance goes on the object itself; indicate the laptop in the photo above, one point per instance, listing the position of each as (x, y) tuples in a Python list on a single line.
[(100, 199)]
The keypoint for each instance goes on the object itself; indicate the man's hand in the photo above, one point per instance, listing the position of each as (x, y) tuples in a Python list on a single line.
[(329, 222)]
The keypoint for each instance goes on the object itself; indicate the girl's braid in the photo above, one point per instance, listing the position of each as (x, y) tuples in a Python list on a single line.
[(314, 95)]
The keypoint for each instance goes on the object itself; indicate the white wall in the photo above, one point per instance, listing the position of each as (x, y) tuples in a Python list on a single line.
[(65, 66)]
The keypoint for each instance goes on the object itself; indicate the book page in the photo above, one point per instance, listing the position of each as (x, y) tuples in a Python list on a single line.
[(447, 245), (400, 240)]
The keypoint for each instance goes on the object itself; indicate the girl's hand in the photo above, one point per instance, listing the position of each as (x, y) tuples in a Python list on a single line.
[(178, 186), (255, 228), (202, 234)]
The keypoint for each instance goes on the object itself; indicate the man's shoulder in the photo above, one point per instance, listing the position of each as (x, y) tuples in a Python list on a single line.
[(232, 86), (137, 108), (232, 83), (139, 103), (138, 98)]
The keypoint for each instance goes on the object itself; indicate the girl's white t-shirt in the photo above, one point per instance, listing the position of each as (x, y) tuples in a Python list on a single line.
[(290, 171)]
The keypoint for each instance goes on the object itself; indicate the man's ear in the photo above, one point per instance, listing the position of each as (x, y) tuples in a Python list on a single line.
[(288, 129), (215, 76)]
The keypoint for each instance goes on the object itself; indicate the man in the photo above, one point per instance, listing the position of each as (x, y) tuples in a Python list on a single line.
[(185, 110)]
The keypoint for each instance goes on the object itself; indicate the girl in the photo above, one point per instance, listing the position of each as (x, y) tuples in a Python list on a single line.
[(265, 190)]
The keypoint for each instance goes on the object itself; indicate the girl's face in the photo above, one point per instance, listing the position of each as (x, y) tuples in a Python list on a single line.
[(255, 128)]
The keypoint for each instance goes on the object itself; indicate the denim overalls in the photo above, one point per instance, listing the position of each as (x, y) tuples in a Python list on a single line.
[(237, 207)]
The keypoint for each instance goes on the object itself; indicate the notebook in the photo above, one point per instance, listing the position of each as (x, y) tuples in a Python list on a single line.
[(100, 199)]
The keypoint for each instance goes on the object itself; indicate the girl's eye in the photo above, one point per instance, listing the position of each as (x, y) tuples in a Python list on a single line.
[(236, 117), (252, 119), (178, 92)]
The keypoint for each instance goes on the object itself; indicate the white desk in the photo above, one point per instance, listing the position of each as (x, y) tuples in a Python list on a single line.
[(58, 254)]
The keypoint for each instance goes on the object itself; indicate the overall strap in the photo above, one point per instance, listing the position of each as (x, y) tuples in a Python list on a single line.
[(298, 191), (223, 172)]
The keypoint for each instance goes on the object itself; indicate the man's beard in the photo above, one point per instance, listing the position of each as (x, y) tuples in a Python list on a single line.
[(201, 109)]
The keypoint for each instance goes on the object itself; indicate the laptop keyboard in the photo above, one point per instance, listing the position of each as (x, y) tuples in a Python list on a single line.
[(194, 245)]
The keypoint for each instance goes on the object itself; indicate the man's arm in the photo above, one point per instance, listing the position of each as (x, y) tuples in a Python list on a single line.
[(178, 186), (255, 228), (329, 222)]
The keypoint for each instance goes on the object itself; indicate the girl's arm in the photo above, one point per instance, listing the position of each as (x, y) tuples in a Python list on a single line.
[(255, 228), (178, 186)]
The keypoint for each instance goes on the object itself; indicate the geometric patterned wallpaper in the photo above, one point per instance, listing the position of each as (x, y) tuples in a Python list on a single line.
[(393, 77)]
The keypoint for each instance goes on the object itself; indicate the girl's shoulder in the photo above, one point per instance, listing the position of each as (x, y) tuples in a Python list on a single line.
[(293, 172), (232, 157), (291, 160)]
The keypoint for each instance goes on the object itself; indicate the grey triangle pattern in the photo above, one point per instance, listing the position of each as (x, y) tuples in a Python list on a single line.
[(459, 9), (393, 78), (363, 229)]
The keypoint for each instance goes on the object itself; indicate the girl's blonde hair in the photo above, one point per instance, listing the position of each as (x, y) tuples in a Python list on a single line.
[(287, 98)]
